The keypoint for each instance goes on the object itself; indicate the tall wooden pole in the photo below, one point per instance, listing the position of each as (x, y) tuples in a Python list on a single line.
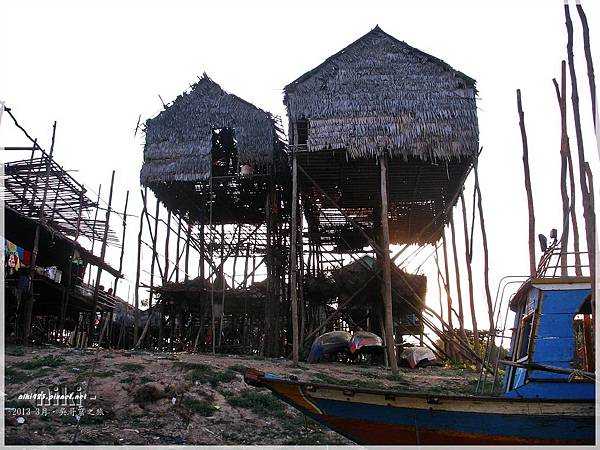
[(562, 103), (94, 228), (122, 241), (588, 58), (202, 251), (177, 249), (387, 270), (188, 236), (30, 299), (589, 215), (532, 266), (102, 256), (138, 270), (67, 291), (167, 239), (154, 254), (446, 280), (302, 310), (461, 316), (294, 260), (564, 142), (476, 346)]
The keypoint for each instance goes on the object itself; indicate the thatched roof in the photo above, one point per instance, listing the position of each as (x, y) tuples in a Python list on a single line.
[(179, 139), (380, 94)]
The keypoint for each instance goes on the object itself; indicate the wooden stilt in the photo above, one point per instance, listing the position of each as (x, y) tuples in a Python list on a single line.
[(302, 311), (246, 262), (177, 249), (102, 256), (387, 271), (223, 282), (136, 314), (94, 229), (202, 254), (29, 298), (154, 253), (461, 316), (294, 261), (476, 346), (187, 251), (446, 280), (67, 291)]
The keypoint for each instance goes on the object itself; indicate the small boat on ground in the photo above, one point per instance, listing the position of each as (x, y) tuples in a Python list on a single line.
[(548, 392)]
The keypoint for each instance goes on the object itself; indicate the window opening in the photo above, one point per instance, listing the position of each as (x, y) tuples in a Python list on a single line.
[(302, 131)]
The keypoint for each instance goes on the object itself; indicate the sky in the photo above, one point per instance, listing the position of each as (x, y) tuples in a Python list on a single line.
[(96, 67)]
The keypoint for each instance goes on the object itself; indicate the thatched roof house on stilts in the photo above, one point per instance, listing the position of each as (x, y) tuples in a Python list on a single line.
[(209, 133), (216, 159), (384, 136)]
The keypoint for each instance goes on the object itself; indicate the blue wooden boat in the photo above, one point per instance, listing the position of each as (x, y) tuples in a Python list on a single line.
[(548, 395)]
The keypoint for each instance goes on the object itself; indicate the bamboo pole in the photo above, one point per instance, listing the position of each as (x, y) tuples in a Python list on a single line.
[(387, 271), (476, 346), (102, 256), (532, 265)]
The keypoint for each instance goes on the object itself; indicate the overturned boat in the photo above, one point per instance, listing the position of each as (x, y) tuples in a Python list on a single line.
[(548, 392)]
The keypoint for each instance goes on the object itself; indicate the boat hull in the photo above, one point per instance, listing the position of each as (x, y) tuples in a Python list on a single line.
[(383, 418)]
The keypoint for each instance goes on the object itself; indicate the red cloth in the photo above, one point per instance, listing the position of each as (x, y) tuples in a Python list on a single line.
[(26, 257)]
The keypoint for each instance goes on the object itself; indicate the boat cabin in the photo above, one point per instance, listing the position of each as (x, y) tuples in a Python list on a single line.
[(552, 346)]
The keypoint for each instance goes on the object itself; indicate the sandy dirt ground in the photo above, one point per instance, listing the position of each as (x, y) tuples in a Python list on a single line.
[(144, 398)]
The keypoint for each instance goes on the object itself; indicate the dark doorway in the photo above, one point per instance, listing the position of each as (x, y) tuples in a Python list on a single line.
[(224, 152)]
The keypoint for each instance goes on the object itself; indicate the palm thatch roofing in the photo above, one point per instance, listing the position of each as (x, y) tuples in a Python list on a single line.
[(178, 154), (179, 139), (380, 95)]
